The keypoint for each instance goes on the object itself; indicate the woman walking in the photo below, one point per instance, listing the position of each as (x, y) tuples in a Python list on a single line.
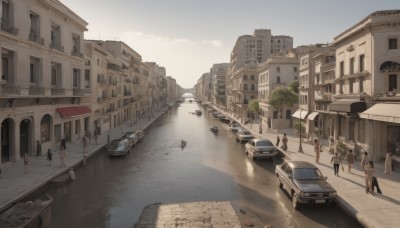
[(63, 154), (350, 160), (364, 161), (317, 150), (336, 163), (369, 175), (388, 162)]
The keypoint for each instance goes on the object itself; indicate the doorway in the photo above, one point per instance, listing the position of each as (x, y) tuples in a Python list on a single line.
[(6, 142), (25, 137)]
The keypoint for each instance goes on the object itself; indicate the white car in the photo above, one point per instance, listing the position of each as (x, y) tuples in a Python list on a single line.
[(260, 148), (235, 127), (243, 135)]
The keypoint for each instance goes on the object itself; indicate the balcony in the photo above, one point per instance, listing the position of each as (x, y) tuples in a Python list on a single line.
[(388, 96), (57, 91), (57, 47), (6, 89), (77, 54), (6, 26), (78, 92), (35, 38), (36, 90)]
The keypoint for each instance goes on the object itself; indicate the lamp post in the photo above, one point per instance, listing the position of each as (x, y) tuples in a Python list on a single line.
[(301, 126)]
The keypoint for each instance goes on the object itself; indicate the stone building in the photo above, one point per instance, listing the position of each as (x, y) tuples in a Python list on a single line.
[(367, 79), (218, 75), (45, 86)]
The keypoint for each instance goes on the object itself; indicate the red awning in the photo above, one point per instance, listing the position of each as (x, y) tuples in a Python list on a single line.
[(73, 111)]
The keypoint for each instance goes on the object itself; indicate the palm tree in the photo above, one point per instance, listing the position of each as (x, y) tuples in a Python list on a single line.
[(282, 97)]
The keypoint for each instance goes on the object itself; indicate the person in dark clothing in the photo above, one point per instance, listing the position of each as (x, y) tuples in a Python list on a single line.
[(376, 184)]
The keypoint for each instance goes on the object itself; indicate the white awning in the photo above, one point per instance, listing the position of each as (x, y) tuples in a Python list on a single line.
[(382, 112), (312, 115), (300, 113)]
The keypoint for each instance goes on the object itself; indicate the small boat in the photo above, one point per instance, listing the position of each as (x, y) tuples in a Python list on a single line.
[(198, 112), (183, 143), (214, 129)]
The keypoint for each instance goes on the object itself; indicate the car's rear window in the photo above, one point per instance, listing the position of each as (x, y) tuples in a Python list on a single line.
[(264, 143), (307, 174)]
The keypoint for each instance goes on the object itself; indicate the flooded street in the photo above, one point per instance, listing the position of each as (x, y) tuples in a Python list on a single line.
[(111, 192)]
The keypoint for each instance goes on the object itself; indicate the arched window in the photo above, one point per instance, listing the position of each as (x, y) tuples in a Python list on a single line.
[(45, 129)]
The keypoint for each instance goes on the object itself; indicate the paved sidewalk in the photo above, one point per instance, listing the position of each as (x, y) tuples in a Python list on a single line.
[(15, 184), (370, 210)]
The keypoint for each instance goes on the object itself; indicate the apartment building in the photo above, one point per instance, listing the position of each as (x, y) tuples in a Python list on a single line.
[(367, 79), (278, 71), (218, 75), (45, 86)]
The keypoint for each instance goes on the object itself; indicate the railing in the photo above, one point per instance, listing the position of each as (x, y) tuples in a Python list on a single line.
[(100, 78), (10, 89), (7, 27), (36, 90), (35, 38), (77, 54), (127, 94), (57, 47), (78, 92), (57, 91)]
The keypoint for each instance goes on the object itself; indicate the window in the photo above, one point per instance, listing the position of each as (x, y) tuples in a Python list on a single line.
[(362, 63), (278, 69), (7, 63), (392, 43), (340, 87), (87, 78), (56, 74), (362, 79), (245, 77), (76, 78), (77, 127), (246, 87), (392, 82), (352, 65), (55, 36), (275, 114), (288, 114), (341, 69), (6, 15), (45, 129), (278, 79), (252, 77), (252, 87), (34, 70), (34, 34), (294, 69), (76, 40), (351, 83)]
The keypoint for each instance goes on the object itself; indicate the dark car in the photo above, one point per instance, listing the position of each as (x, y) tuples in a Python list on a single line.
[(260, 148), (305, 183)]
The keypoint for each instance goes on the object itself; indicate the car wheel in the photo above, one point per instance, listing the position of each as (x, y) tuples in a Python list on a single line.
[(280, 185), (295, 203)]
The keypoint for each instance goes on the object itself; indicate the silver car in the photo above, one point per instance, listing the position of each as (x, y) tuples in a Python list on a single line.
[(243, 135), (305, 183), (260, 148)]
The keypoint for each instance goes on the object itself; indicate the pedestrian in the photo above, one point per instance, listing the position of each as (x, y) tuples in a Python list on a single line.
[(84, 143), (388, 162), (336, 163), (364, 161), (49, 156), (350, 160), (376, 184), (284, 142), (278, 140), (317, 150), (369, 174), (63, 153), (260, 129), (26, 161), (95, 136)]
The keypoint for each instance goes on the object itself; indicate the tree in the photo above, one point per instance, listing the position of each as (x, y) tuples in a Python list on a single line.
[(294, 86), (253, 106), (282, 97)]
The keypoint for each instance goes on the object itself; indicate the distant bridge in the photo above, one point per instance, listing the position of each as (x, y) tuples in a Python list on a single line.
[(191, 90)]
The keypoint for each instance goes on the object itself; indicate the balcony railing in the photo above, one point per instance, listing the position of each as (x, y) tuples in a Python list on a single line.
[(78, 92), (57, 47), (35, 38), (57, 91), (6, 89), (36, 90), (77, 54), (6, 26)]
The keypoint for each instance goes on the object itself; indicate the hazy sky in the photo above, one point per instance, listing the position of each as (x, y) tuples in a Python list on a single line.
[(188, 36)]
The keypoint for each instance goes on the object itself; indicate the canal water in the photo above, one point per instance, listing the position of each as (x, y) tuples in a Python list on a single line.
[(111, 192)]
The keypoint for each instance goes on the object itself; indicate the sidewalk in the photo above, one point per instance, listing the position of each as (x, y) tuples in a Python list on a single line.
[(15, 184), (370, 210)]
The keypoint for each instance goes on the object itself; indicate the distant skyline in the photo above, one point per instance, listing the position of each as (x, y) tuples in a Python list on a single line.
[(188, 36)]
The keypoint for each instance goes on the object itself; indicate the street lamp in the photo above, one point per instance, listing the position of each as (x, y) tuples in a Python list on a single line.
[(301, 126)]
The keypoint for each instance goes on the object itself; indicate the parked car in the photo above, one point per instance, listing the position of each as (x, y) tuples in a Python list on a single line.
[(243, 135), (214, 129), (305, 183), (198, 112), (224, 119), (235, 126), (118, 147), (260, 148)]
